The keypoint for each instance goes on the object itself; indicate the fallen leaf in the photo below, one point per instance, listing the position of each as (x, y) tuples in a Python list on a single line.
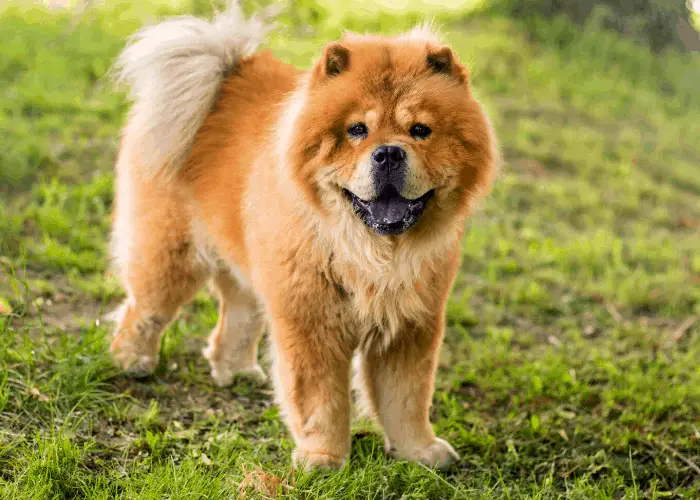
[(553, 340), (5, 308), (590, 330), (536, 168), (613, 312), (41, 397), (687, 222), (680, 332), (260, 482)]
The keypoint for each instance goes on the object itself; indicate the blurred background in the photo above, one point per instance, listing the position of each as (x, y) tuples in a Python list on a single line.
[(573, 339)]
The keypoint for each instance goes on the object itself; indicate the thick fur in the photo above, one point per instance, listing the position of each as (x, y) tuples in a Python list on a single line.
[(251, 197), (173, 71)]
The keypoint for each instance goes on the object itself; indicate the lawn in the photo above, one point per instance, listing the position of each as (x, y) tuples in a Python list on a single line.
[(571, 365)]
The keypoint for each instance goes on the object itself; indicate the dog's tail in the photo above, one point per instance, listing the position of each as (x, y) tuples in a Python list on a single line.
[(173, 71)]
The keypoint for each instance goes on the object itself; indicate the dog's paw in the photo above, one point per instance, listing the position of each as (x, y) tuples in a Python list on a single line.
[(438, 454), (223, 372), (134, 363), (223, 377), (309, 460)]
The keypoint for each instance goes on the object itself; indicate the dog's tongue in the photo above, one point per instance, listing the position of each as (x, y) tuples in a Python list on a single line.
[(389, 208)]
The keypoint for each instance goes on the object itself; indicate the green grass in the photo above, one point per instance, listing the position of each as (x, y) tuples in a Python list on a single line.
[(572, 359)]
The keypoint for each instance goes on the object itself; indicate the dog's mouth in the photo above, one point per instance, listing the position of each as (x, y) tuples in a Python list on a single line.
[(389, 213)]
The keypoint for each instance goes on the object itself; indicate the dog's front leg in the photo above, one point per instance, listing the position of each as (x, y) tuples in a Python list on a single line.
[(312, 372), (398, 382)]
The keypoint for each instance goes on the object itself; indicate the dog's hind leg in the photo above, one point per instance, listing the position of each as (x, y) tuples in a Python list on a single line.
[(233, 345), (156, 293), (157, 265), (137, 337)]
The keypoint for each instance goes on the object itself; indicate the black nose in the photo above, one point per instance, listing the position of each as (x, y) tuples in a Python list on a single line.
[(388, 167), (389, 157)]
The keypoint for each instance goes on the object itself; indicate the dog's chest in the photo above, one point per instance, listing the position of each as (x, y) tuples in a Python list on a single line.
[(381, 306)]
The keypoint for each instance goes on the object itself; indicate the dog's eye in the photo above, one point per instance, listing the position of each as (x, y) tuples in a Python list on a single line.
[(358, 131), (420, 131)]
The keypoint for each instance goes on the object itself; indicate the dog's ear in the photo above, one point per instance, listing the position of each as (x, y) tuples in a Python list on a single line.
[(334, 61), (442, 60)]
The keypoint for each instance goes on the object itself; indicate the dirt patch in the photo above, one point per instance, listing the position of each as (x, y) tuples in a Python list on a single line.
[(51, 301)]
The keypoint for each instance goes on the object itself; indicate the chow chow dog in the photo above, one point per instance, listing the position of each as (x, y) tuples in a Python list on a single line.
[(327, 204)]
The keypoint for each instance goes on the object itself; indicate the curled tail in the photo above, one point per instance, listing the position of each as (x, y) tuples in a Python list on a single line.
[(173, 71)]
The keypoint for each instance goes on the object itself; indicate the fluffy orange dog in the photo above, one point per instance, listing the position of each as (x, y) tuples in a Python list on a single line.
[(330, 203)]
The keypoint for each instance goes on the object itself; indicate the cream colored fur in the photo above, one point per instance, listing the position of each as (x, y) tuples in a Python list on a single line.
[(174, 70)]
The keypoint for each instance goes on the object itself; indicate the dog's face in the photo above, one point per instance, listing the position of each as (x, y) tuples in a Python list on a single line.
[(389, 131)]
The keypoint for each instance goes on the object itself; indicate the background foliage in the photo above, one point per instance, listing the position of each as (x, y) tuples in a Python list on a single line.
[(658, 23)]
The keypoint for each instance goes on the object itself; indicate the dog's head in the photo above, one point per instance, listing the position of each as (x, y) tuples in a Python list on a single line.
[(387, 130)]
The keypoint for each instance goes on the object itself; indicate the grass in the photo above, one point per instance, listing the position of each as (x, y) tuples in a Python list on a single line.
[(571, 366)]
